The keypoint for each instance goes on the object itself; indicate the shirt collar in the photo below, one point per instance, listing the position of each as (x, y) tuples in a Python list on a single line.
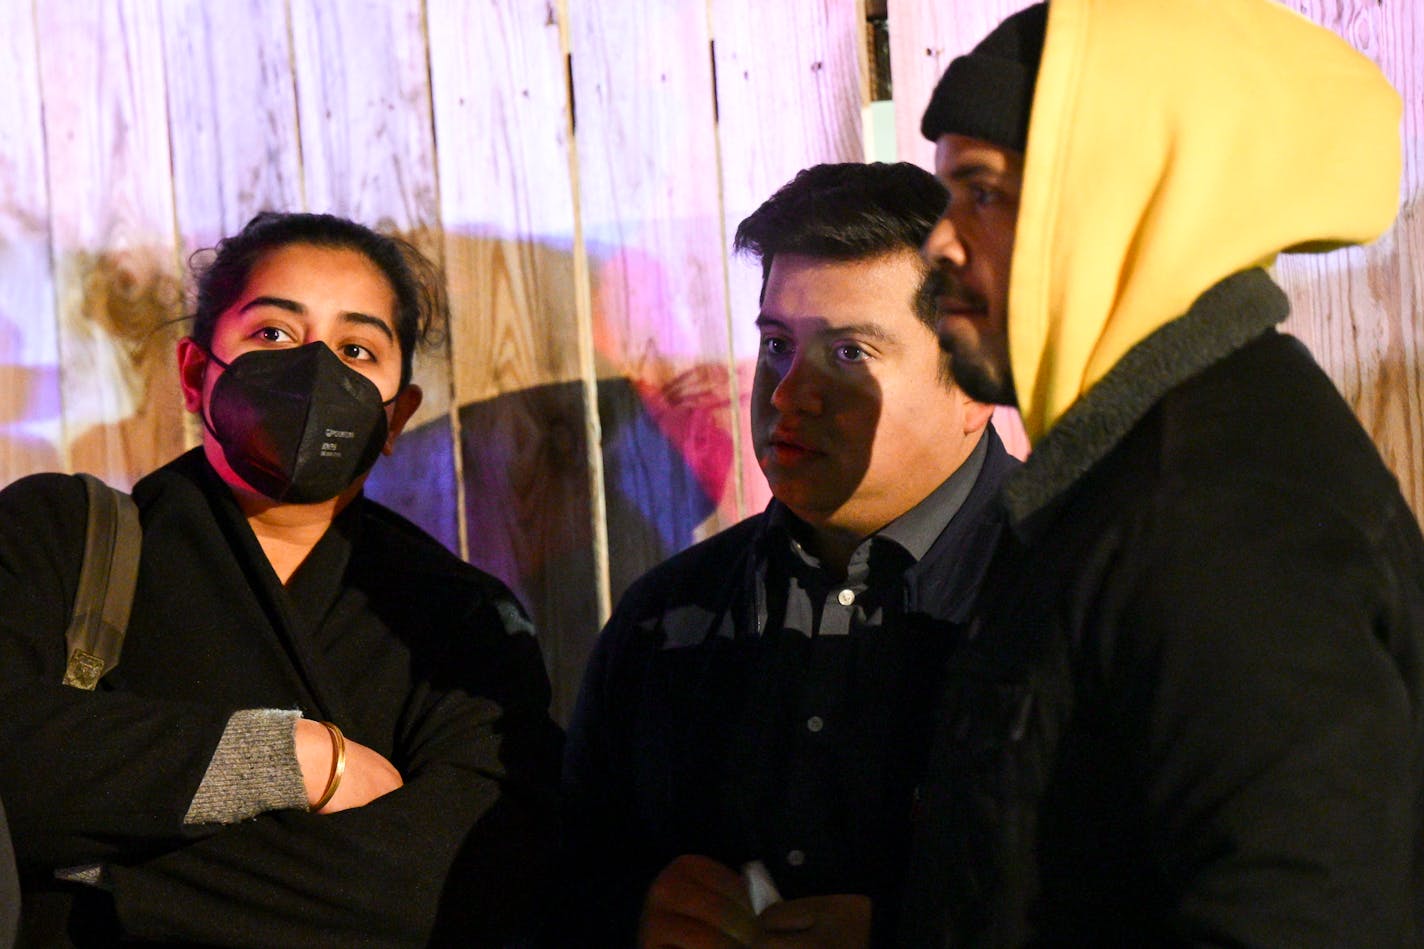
[(916, 530)]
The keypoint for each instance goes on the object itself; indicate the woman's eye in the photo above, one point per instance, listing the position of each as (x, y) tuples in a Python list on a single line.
[(272, 334)]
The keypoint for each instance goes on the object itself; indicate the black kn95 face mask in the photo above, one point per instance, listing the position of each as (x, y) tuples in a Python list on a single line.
[(298, 425)]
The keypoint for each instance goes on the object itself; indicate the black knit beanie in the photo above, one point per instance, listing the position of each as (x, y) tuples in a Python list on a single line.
[(986, 93)]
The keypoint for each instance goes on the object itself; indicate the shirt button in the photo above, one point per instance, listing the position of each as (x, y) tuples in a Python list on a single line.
[(795, 858), (845, 597), (815, 723)]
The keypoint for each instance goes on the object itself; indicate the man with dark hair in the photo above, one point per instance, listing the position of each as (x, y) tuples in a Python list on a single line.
[(755, 716), (1190, 705)]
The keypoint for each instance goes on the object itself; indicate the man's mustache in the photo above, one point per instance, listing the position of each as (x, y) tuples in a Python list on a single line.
[(948, 292)]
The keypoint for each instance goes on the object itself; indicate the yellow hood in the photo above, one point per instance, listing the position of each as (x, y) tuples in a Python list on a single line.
[(1173, 143)]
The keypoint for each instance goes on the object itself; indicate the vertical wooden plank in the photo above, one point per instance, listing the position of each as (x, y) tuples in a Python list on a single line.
[(232, 120), (1359, 310), (519, 333), (789, 89), (101, 76), (31, 434), (232, 115), (368, 153), (642, 78), (1402, 56), (925, 36), (363, 85)]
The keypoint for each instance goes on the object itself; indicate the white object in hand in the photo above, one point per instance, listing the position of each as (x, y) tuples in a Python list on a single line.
[(760, 888)]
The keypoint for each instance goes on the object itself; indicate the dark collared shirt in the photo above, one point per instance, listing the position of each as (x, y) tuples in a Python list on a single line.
[(830, 741), (721, 717)]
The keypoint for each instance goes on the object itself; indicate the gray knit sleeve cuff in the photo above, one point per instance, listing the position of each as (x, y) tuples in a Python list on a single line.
[(254, 769)]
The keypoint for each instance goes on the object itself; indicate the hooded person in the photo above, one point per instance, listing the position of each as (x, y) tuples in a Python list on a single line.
[(1189, 708)]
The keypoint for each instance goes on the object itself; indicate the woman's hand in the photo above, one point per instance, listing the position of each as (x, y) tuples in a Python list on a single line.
[(368, 775)]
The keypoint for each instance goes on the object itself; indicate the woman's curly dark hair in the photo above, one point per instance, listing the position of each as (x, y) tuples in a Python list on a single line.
[(221, 273)]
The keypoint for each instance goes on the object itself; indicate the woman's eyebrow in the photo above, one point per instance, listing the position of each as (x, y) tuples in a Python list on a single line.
[(281, 303), (366, 319)]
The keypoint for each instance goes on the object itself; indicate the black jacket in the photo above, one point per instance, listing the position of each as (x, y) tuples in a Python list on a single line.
[(1191, 708), (667, 750), (409, 650), (9, 887)]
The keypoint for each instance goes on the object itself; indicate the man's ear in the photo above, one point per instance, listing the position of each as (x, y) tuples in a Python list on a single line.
[(404, 407), (192, 369), (976, 415)]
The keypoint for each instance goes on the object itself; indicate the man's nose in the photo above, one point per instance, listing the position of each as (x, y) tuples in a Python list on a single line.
[(799, 388), (943, 245)]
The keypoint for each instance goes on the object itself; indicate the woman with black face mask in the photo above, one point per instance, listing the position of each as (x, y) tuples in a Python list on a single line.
[(324, 728)]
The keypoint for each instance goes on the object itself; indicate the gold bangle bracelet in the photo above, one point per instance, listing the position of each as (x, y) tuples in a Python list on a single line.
[(338, 766)]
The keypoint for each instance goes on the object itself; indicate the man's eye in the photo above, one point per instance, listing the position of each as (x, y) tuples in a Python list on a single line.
[(850, 352), (354, 351), (985, 196), (775, 346)]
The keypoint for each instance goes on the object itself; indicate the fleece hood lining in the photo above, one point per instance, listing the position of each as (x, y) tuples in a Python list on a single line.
[(1225, 318)]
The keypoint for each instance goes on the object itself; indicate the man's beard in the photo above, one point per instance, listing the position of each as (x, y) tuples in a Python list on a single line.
[(975, 371)]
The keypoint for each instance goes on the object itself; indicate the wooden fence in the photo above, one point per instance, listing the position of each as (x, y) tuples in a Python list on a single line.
[(578, 168)]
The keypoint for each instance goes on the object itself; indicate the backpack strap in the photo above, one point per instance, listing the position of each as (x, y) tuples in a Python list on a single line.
[(106, 585)]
